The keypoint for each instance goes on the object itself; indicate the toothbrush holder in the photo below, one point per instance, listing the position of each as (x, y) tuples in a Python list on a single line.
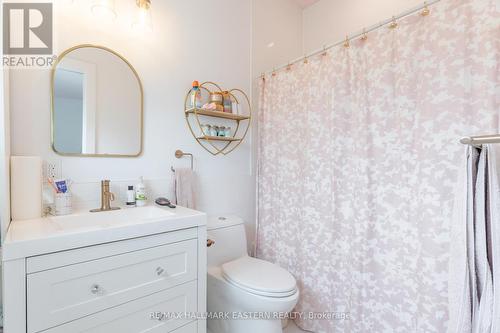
[(63, 204)]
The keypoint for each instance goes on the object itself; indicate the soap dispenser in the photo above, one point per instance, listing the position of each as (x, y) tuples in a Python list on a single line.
[(140, 193)]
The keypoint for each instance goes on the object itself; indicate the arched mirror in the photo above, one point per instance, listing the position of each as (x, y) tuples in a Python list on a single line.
[(97, 104)]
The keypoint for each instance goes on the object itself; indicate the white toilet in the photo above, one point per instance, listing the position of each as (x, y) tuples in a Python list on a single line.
[(240, 286)]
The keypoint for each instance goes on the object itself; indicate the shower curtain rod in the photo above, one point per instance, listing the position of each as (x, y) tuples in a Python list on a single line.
[(356, 35), (480, 140)]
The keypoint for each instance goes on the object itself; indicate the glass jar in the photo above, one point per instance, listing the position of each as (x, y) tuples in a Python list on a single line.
[(217, 98), (214, 130), (206, 129)]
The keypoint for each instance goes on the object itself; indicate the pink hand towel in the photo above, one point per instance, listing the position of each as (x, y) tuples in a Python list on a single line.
[(184, 188)]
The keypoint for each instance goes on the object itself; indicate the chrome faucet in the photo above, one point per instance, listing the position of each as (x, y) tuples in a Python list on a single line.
[(106, 198)]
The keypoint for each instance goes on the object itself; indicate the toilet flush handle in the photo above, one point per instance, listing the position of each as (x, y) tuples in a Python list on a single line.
[(210, 242)]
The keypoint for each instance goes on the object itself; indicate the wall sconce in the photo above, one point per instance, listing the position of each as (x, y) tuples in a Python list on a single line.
[(104, 9), (142, 20)]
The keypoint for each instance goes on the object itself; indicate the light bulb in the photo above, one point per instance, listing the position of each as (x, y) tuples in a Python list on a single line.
[(143, 21), (104, 9)]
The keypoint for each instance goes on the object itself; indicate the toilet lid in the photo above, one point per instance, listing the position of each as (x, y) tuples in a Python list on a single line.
[(259, 277)]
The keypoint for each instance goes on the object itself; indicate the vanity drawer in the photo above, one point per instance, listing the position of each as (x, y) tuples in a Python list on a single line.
[(135, 316), (67, 293)]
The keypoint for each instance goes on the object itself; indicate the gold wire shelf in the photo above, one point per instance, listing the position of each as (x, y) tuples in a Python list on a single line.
[(217, 138), (216, 145), (217, 114)]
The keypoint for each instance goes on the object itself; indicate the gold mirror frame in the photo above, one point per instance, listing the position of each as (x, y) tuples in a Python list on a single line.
[(52, 95)]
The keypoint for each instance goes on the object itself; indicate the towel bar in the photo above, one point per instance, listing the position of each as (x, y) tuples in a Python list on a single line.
[(477, 141)]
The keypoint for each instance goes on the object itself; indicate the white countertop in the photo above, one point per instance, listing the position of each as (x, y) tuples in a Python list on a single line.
[(58, 233)]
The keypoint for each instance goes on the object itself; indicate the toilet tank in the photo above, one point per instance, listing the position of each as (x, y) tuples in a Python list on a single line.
[(228, 233)]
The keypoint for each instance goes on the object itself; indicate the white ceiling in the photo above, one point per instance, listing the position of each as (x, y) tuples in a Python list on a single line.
[(305, 3)]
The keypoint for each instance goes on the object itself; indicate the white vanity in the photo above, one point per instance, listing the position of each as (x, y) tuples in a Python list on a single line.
[(117, 271)]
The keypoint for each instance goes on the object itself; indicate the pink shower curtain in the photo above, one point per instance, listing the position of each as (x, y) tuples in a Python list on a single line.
[(358, 160)]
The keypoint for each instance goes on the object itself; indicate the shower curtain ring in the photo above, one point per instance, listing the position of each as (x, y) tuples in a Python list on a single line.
[(365, 35), (288, 67), (394, 23), (306, 61), (347, 43), (426, 11), (325, 52)]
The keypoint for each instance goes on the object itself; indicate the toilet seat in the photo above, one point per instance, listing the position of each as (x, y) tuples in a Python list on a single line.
[(259, 277)]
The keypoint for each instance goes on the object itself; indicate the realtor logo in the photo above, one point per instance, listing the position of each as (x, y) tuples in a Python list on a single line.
[(27, 29)]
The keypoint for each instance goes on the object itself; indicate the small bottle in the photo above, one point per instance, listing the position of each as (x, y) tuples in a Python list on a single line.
[(228, 103), (130, 197), (140, 193), (222, 131), (196, 95)]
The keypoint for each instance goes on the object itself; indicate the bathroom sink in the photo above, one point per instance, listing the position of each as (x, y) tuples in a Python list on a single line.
[(110, 218), (82, 228), (142, 213)]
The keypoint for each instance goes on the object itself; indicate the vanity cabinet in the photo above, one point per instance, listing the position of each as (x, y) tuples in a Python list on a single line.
[(139, 315), (153, 283)]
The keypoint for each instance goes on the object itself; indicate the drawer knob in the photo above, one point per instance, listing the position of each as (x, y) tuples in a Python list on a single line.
[(160, 271), (210, 242), (95, 289)]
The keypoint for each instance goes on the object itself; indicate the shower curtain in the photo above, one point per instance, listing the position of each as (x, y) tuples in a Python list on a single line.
[(358, 161)]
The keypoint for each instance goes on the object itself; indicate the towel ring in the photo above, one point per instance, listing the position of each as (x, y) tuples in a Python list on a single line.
[(180, 154)]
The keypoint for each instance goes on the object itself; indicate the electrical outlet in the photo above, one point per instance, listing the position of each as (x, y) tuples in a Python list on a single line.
[(52, 170)]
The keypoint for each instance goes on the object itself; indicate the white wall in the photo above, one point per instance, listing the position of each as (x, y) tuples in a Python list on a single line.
[(278, 22), (192, 39), (329, 21), (4, 155), (4, 147)]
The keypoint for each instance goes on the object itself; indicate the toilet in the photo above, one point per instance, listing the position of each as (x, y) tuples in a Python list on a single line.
[(244, 294)]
